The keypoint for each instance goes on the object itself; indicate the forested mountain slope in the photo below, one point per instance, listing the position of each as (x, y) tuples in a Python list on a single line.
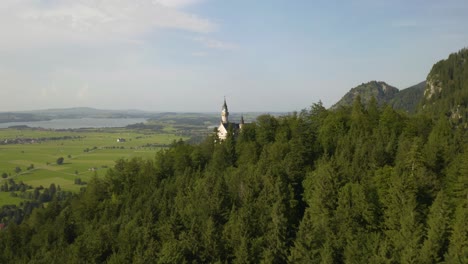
[(447, 88), (356, 185), (408, 99), (359, 184)]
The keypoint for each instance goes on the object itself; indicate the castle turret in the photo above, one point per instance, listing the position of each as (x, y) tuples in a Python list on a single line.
[(241, 124), (225, 113)]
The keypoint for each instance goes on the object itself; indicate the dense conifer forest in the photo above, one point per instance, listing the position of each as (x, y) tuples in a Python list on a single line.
[(358, 184)]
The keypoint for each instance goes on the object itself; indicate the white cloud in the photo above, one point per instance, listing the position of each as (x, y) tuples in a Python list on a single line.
[(31, 22), (62, 53), (177, 3), (406, 23), (199, 54), (216, 44)]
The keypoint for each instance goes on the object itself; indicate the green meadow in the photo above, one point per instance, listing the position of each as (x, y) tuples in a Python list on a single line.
[(85, 153)]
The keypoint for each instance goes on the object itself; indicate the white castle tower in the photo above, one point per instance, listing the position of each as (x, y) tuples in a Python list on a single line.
[(225, 124)]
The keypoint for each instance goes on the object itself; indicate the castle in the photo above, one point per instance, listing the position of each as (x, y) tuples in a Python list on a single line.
[(225, 124)]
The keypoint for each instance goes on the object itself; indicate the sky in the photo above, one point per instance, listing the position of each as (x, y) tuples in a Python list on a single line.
[(186, 55)]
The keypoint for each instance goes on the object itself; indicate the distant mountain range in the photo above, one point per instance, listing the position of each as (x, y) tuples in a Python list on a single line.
[(66, 113), (406, 99), (87, 112)]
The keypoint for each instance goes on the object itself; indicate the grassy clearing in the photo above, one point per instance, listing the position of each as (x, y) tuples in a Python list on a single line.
[(92, 153), (6, 198)]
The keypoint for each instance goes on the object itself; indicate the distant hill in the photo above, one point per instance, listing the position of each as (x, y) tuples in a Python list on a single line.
[(379, 90), (447, 88), (20, 117), (406, 99), (445, 91), (71, 113), (176, 118), (79, 112)]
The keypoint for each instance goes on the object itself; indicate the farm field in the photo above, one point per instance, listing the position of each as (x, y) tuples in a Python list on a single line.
[(85, 151)]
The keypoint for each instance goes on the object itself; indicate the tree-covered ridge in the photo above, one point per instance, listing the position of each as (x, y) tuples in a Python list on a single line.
[(381, 91), (362, 184), (408, 99), (447, 88), (445, 91)]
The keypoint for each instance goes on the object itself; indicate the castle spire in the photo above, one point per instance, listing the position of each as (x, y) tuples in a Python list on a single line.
[(224, 105), (225, 113)]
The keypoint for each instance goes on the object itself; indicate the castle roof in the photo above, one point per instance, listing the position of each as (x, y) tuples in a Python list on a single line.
[(235, 126)]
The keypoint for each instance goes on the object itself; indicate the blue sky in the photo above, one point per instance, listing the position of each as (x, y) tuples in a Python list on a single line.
[(185, 55)]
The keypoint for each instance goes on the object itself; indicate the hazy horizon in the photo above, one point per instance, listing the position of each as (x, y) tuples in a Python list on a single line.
[(141, 110), (185, 55)]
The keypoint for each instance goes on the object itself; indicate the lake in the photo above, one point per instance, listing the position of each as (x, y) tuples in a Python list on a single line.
[(77, 123)]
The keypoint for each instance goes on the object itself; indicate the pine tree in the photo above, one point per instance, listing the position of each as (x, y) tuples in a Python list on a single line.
[(437, 230), (458, 247)]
